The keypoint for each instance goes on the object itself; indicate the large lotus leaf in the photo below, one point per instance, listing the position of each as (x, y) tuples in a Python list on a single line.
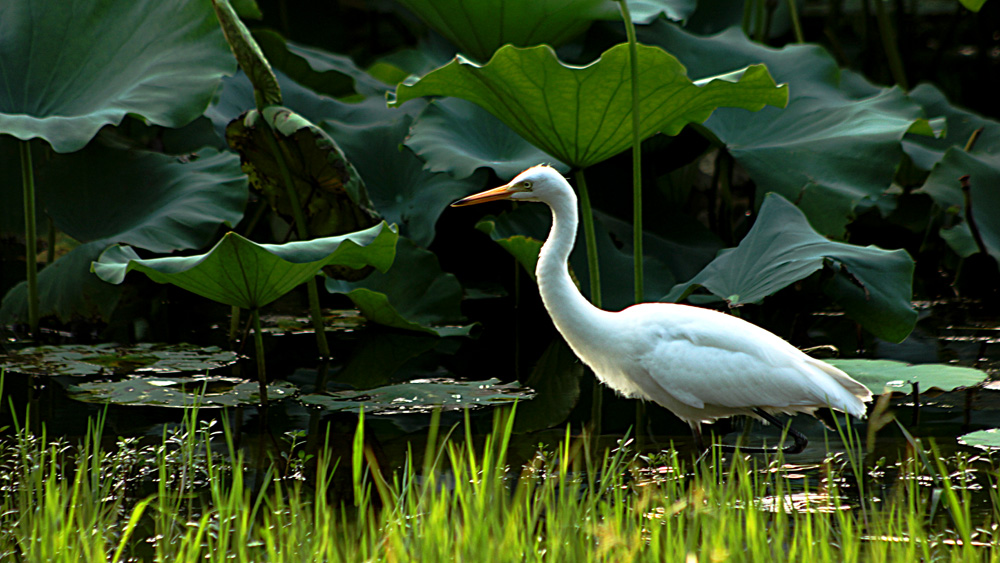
[(245, 274), (248, 54), (117, 359), (928, 151), (69, 70), (581, 115), (321, 71), (480, 28), (899, 377), (459, 137), (179, 392), (401, 190), (422, 395), (781, 248), (330, 191), (150, 200), (832, 148), (522, 231), (945, 188), (66, 289), (413, 295)]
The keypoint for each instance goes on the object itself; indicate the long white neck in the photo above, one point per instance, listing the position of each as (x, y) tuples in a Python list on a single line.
[(575, 317)]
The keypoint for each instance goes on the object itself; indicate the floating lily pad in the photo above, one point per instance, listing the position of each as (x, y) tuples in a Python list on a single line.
[(899, 377), (986, 439), (422, 395), (338, 320), (179, 392), (116, 359)]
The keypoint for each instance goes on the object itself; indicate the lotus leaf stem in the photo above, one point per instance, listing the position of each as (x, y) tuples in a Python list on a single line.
[(595, 283), (258, 340), (633, 63), (30, 235)]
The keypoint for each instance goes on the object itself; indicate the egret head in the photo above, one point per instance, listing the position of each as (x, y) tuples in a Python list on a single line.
[(538, 183)]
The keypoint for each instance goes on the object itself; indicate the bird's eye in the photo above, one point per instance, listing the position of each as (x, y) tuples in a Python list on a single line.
[(526, 184)]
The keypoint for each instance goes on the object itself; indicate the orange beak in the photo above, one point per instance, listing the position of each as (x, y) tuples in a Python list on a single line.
[(496, 194)]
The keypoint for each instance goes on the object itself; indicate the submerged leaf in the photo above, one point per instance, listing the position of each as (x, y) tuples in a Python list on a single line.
[(873, 285), (179, 392), (330, 192), (70, 71), (580, 115), (899, 377), (422, 395), (116, 359), (245, 274)]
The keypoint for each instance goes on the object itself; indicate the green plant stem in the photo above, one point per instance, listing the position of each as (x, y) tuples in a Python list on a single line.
[(302, 231), (890, 46), (234, 325), (30, 232), (761, 15), (258, 339), (793, 13), (590, 238), (50, 252), (633, 59)]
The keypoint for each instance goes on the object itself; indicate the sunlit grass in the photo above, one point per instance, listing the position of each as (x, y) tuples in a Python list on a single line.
[(176, 500)]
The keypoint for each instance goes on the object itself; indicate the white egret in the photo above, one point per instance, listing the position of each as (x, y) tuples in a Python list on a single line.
[(700, 364)]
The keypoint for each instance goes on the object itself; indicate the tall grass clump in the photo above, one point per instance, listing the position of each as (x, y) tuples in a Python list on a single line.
[(190, 496)]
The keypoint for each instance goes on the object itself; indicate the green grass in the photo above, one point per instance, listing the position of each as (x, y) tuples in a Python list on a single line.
[(180, 499)]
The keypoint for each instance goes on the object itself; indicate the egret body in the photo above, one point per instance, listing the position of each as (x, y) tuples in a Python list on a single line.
[(700, 364)]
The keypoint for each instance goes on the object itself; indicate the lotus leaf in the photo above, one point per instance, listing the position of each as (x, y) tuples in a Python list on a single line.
[(245, 274), (928, 151), (988, 439), (248, 54), (413, 295), (329, 190), (873, 285), (480, 28), (116, 359), (422, 395), (837, 144), (179, 392), (899, 377), (580, 114), (459, 137), (69, 72)]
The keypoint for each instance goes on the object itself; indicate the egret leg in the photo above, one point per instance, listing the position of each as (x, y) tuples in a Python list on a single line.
[(800, 440)]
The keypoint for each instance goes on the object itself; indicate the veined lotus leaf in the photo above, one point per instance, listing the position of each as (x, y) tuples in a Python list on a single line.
[(479, 28), (179, 392), (873, 285), (988, 439), (116, 359), (69, 72), (248, 54), (413, 295), (580, 115), (330, 191), (899, 377), (323, 72), (242, 273), (422, 395), (459, 137), (837, 144)]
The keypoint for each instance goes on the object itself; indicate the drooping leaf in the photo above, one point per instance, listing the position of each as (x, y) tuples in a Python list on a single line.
[(116, 359), (459, 137), (836, 145), (580, 115), (988, 439), (479, 28), (245, 274), (873, 285), (973, 5), (400, 189), (66, 289), (645, 11), (69, 72), (927, 151), (179, 392), (330, 191), (248, 55), (421, 395), (412, 295), (945, 188), (899, 377)]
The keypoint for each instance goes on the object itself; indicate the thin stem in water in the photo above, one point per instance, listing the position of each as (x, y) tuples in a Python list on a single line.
[(258, 340), (30, 235), (633, 60), (589, 237)]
